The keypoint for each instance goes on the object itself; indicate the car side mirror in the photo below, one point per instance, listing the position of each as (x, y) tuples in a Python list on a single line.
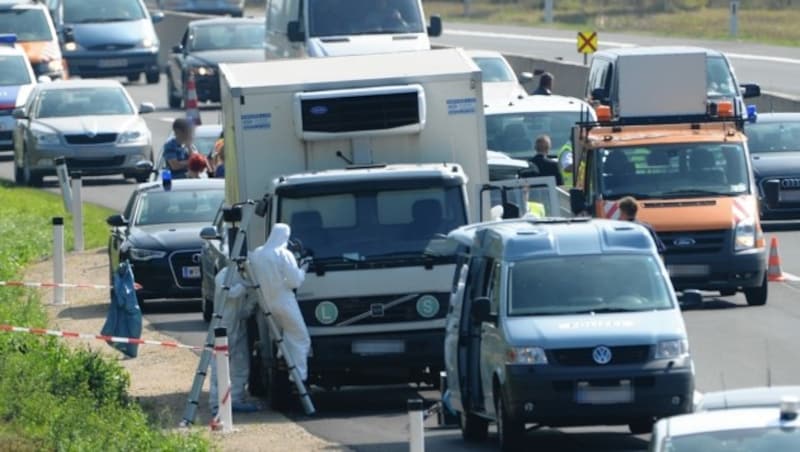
[(177, 49), (294, 33), (599, 94), (577, 200), (145, 166), (19, 113), (116, 221), (482, 310), (146, 107), (209, 233), (156, 16), (750, 90), (435, 27), (525, 77), (772, 192), (690, 299)]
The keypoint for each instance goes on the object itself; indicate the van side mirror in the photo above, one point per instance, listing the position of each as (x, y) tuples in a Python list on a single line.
[(19, 113), (750, 90), (116, 221), (177, 49), (772, 192), (209, 233), (294, 33), (690, 299), (482, 310), (435, 27), (599, 94), (577, 200), (156, 16)]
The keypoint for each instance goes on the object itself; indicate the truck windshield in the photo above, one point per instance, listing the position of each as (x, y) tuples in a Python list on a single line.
[(515, 133), (360, 17), (585, 284), (736, 440), (719, 81), (675, 170), (371, 223)]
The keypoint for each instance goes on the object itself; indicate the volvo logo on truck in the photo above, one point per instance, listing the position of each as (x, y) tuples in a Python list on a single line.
[(601, 355)]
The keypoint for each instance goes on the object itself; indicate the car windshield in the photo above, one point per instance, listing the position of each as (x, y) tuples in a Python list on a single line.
[(744, 440), (675, 170), (94, 11), (14, 71), (355, 225), (227, 36), (718, 78), (59, 103), (585, 284), (494, 69), (773, 136), (515, 133), (29, 24), (357, 17), (178, 206)]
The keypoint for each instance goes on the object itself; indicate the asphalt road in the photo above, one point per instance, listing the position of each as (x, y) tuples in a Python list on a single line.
[(733, 345)]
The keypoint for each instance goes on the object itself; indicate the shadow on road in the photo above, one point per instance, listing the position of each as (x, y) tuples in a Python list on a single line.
[(6, 157), (171, 307)]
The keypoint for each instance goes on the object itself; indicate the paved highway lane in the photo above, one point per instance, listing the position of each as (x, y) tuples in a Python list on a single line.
[(732, 344)]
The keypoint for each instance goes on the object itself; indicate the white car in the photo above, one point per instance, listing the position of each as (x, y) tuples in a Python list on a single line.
[(500, 84), (16, 81), (763, 429)]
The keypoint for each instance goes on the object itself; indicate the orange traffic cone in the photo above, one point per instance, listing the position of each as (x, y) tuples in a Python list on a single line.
[(774, 272), (192, 112)]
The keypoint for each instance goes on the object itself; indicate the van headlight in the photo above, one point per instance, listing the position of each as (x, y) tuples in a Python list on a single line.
[(526, 355), (745, 235), (672, 349), (140, 254)]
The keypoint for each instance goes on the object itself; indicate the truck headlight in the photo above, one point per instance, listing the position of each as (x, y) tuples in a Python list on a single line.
[(46, 138), (745, 235), (526, 355), (204, 71), (139, 254), (672, 349), (132, 136)]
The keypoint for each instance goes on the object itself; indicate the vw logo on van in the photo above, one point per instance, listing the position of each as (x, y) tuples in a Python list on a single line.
[(318, 110), (684, 241), (601, 355)]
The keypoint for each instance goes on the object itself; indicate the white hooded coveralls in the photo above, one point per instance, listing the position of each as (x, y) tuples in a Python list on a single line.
[(276, 271)]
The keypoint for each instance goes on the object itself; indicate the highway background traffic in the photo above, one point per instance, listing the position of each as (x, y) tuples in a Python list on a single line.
[(732, 345)]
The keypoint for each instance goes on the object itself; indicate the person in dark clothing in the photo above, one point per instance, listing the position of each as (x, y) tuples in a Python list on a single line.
[(627, 212), (546, 166), (177, 150), (545, 87)]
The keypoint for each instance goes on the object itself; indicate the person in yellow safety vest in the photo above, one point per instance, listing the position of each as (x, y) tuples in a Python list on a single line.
[(536, 209), (565, 163)]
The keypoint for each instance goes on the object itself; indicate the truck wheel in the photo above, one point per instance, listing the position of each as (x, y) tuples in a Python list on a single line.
[(280, 389), (474, 428), (510, 431), (757, 296), (641, 427)]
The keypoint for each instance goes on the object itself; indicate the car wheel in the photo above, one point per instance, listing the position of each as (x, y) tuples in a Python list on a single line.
[(174, 101), (642, 427), (473, 428), (757, 296), (208, 310), (510, 431), (133, 78), (153, 77)]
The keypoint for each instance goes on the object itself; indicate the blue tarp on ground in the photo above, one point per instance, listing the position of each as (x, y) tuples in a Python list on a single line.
[(124, 315)]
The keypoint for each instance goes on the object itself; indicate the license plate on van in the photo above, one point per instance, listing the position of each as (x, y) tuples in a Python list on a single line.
[(191, 272), (119, 62), (604, 395)]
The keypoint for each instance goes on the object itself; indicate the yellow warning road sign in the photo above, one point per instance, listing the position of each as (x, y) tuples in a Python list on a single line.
[(587, 42)]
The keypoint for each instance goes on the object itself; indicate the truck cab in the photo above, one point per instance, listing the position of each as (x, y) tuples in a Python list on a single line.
[(542, 329)]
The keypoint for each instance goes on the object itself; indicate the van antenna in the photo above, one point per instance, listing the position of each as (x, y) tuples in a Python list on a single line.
[(342, 156)]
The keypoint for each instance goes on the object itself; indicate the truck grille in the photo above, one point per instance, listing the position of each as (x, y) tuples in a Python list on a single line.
[(100, 138), (694, 242), (635, 354), (349, 308), (180, 259)]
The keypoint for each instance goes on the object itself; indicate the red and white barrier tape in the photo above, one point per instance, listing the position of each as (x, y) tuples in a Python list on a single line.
[(99, 337), (136, 286)]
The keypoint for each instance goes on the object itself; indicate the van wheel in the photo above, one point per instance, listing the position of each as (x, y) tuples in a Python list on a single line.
[(473, 428), (153, 77), (510, 431), (133, 78), (757, 296), (642, 427)]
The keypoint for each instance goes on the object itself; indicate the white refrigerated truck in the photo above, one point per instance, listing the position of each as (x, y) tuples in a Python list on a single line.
[(371, 160)]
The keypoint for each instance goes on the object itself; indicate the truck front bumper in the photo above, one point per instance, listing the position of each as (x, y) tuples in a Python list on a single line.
[(732, 271)]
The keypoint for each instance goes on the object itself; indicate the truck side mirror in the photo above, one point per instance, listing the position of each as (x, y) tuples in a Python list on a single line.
[(482, 310), (156, 16), (577, 200), (771, 192), (19, 113), (599, 94), (750, 90), (435, 27), (294, 33)]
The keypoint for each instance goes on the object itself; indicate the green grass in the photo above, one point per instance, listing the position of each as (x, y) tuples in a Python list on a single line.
[(769, 26), (53, 397)]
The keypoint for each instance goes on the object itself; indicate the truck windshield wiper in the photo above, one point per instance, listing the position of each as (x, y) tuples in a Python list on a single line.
[(635, 195), (696, 192)]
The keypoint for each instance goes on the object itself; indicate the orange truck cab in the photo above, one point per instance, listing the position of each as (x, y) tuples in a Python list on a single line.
[(693, 183)]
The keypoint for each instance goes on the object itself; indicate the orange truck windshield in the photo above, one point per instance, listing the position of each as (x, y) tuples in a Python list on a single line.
[(673, 171)]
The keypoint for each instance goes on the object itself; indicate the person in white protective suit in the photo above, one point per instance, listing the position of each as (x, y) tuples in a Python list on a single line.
[(240, 305), (277, 272)]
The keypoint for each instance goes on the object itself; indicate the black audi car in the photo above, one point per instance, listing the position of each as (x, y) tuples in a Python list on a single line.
[(774, 142), (159, 233), (205, 44)]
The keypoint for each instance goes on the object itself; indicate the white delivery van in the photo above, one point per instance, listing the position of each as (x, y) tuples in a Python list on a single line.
[(371, 160), (318, 28)]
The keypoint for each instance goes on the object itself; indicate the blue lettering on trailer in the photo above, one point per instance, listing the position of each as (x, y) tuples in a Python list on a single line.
[(256, 121), (461, 106)]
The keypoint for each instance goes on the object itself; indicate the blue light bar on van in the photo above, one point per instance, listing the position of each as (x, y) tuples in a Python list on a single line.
[(8, 39)]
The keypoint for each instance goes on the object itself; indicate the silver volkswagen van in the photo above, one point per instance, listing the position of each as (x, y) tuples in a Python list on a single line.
[(563, 322)]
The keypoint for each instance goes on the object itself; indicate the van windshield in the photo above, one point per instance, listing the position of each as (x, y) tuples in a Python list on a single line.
[(370, 222), (360, 17), (674, 171), (585, 284), (96, 11), (28, 24), (515, 133)]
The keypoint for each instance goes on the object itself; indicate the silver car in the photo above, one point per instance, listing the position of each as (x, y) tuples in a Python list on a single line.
[(93, 124)]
